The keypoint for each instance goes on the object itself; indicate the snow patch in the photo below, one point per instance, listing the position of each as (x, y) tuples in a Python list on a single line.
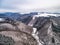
[(30, 24), (1, 19), (35, 35)]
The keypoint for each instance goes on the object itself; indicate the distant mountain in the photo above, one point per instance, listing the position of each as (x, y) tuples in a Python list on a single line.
[(45, 26), (19, 17), (26, 18)]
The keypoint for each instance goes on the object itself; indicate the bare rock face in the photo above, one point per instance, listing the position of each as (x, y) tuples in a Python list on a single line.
[(45, 31), (48, 30), (19, 32), (49, 34)]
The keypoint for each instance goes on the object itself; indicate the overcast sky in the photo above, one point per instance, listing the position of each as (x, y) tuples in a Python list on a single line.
[(29, 5)]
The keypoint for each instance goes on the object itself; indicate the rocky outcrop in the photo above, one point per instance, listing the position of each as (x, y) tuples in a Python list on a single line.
[(19, 32), (44, 31), (48, 30)]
